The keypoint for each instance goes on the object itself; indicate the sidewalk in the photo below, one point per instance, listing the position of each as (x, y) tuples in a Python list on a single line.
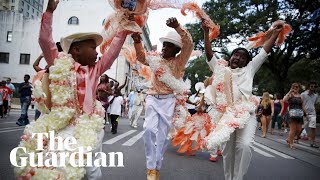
[(302, 152)]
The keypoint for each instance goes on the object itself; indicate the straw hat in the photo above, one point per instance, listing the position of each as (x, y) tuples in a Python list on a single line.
[(77, 37), (172, 37)]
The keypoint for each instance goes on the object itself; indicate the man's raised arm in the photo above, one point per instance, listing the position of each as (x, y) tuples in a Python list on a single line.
[(48, 47)]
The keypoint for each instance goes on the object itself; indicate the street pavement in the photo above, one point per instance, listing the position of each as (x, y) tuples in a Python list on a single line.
[(271, 160)]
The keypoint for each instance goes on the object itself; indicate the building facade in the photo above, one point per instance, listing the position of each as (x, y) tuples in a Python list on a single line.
[(19, 34), (29, 8)]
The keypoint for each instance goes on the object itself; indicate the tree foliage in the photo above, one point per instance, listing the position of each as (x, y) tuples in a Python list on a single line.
[(197, 66), (293, 61)]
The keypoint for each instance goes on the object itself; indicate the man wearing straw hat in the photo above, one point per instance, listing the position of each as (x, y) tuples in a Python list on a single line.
[(161, 101)]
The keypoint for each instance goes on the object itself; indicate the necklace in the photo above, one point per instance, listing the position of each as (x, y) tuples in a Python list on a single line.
[(65, 114)]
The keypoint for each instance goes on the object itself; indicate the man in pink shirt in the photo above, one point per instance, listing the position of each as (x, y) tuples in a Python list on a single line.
[(82, 47)]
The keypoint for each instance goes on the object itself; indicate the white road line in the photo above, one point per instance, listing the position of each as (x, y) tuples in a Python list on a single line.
[(8, 128), (262, 152), (12, 130), (273, 151), (305, 146), (133, 140), (117, 138), (7, 122)]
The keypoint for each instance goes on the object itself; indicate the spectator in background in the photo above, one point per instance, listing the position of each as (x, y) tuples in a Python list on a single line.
[(296, 111), (267, 112), (285, 115), (117, 88), (309, 100), (115, 111), (103, 92), (130, 100), (25, 100), (10, 98), (6, 92), (277, 118), (137, 108)]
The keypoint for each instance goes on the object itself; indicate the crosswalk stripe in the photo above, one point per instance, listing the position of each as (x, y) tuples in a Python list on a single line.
[(133, 140), (117, 138), (273, 151), (9, 128), (12, 130), (262, 152), (304, 146), (7, 122)]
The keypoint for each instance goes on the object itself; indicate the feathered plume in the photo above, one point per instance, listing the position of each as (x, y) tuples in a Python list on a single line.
[(261, 37), (201, 15)]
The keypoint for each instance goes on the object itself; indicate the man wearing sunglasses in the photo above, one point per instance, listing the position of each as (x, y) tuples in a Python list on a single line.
[(309, 100)]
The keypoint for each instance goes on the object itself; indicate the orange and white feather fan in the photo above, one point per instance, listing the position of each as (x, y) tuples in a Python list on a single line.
[(214, 29), (261, 37)]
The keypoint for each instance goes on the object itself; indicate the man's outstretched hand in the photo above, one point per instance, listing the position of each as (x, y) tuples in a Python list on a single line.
[(52, 5)]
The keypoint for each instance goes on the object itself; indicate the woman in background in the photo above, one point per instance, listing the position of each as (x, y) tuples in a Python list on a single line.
[(277, 118), (267, 112)]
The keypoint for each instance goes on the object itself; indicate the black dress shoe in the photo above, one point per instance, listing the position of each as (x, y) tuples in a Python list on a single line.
[(19, 123), (314, 146)]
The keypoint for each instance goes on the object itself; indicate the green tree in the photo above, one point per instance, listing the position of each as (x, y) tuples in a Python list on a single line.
[(242, 19)]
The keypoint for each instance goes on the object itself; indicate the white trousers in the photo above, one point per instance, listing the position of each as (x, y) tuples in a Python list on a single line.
[(94, 173), (130, 112), (158, 119), (136, 112), (237, 153)]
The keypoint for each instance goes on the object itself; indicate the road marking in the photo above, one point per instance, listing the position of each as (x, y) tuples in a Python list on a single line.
[(301, 146), (8, 128), (115, 139), (273, 151), (12, 130), (133, 140), (7, 122), (262, 152)]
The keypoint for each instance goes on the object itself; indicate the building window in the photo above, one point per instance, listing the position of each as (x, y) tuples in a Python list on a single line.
[(27, 15), (32, 16), (12, 1), (32, 10), (22, 3), (37, 14), (73, 20), (21, 10), (28, 7), (24, 58), (12, 8), (4, 57), (9, 36)]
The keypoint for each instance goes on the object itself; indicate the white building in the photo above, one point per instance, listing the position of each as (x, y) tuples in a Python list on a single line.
[(19, 35), (29, 8)]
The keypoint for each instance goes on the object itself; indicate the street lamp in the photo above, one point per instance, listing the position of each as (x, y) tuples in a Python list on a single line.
[(196, 76)]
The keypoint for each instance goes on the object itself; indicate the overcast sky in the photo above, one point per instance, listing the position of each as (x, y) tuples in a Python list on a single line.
[(157, 20)]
